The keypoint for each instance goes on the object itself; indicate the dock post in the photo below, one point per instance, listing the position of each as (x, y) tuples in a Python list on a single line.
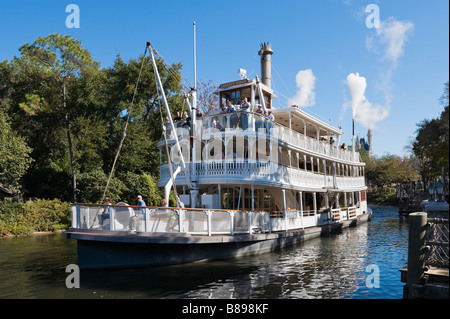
[(416, 250)]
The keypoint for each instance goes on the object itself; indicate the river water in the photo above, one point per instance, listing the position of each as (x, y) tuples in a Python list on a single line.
[(359, 263)]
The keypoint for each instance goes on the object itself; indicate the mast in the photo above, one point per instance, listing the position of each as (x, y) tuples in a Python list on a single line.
[(193, 170)]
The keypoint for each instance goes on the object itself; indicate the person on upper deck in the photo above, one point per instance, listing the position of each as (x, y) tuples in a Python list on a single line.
[(177, 118), (259, 109), (270, 118), (230, 107), (245, 105), (223, 108), (234, 118)]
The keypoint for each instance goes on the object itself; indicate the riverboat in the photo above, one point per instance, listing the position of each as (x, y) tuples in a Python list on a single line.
[(246, 183)]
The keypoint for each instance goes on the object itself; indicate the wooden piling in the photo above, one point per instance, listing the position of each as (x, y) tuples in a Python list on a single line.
[(416, 248)]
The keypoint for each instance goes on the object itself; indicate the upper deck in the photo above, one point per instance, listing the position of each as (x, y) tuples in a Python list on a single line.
[(291, 127), (292, 150)]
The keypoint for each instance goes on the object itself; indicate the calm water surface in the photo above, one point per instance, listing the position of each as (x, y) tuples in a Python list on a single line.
[(335, 267)]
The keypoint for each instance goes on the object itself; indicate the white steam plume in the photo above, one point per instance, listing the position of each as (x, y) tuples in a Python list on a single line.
[(394, 34), (305, 95), (364, 112)]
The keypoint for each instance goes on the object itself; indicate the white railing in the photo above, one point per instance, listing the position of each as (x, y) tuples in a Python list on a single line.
[(223, 122), (195, 221), (216, 171)]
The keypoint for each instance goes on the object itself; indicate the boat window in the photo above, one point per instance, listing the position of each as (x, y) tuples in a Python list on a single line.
[(235, 97)]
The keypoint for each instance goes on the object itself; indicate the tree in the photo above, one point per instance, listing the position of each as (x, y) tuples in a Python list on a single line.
[(387, 169), (72, 114), (207, 100), (431, 144), (14, 156), (61, 58)]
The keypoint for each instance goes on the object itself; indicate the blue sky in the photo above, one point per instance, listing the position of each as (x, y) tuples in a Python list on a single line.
[(389, 78)]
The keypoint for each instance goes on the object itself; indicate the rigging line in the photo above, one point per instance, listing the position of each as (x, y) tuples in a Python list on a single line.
[(275, 90), (172, 70), (124, 134), (273, 66), (309, 110)]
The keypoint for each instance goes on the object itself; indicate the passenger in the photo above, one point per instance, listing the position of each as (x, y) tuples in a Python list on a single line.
[(163, 211), (106, 214), (177, 118), (344, 146), (140, 201), (230, 107), (234, 118), (245, 104), (187, 127), (270, 118), (168, 127), (245, 107), (198, 113), (223, 109), (172, 222), (138, 216), (258, 122)]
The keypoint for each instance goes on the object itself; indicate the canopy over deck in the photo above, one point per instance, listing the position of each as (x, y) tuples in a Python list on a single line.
[(298, 120)]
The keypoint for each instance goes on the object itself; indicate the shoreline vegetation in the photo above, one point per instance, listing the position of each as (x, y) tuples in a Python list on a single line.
[(41, 215)]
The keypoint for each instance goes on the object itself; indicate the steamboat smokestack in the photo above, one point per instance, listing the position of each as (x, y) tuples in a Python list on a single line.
[(265, 52), (369, 137)]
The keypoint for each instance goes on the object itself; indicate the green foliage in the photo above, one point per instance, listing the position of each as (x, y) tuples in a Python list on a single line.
[(47, 215), (40, 215), (97, 102), (387, 169), (14, 156), (140, 184), (92, 185), (431, 144)]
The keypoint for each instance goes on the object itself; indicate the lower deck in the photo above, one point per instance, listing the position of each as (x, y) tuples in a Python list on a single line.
[(99, 248)]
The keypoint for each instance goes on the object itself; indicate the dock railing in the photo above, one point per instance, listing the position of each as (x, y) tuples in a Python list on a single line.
[(194, 221), (428, 255)]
